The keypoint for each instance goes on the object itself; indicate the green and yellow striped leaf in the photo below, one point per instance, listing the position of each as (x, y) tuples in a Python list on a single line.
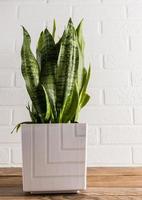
[(47, 59), (67, 65), (30, 71)]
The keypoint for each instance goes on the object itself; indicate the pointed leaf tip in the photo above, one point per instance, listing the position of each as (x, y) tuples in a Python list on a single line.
[(70, 21), (81, 20), (81, 23), (24, 29), (45, 30), (26, 35), (54, 28)]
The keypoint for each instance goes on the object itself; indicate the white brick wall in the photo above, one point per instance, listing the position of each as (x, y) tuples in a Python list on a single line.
[(113, 34)]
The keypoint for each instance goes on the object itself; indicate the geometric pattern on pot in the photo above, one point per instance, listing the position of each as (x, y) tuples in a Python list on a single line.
[(60, 152)]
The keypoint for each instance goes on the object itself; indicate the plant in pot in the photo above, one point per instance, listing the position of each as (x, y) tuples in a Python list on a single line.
[(53, 143)]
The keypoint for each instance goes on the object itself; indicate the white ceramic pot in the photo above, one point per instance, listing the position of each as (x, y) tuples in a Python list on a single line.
[(54, 157)]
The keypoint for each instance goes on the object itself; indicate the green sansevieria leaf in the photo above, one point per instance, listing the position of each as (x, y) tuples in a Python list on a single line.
[(58, 44), (83, 96), (81, 45), (84, 100), (35, 113), (30, 71), (38, 52), (54, 29), (30, 68), (67, 65), (38, 99), (79, 31), (70, 106), (86, 77), (47, 59), (56, 79), (33, 118), (48, 108)]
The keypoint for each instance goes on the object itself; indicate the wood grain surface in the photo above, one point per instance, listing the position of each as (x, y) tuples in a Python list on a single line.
[(103, 184)]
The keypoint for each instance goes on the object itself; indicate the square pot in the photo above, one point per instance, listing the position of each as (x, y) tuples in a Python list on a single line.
[(54, 157)]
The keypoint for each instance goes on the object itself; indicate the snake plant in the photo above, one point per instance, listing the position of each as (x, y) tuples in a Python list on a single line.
[(56, 78)]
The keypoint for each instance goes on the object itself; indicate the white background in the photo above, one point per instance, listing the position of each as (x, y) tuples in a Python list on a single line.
[(113, 34)]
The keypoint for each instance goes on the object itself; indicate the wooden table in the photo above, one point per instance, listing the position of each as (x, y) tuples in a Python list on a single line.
[(103, 184)]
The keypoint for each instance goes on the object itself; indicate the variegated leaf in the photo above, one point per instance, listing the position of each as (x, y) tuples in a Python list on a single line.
[(30, 71), (47, 59), (67, 65)]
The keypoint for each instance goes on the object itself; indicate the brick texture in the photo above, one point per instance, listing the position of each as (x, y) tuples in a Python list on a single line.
[(113, 35)]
